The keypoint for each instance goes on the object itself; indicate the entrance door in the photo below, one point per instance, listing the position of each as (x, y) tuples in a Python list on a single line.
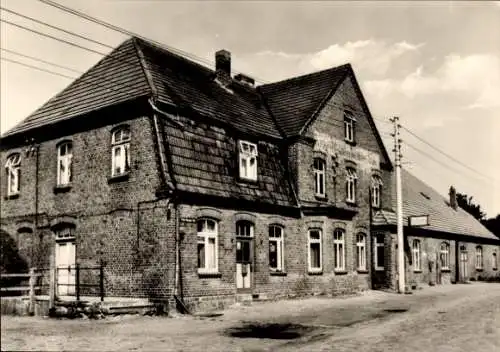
[(464, 275), (244, 255), (65, 263)]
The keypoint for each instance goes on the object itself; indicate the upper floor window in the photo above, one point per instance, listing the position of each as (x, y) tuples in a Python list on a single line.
[(479, 257), (494, 262), (319, 177), (376, 187), (445, 255), (120, 151), (248, 160), (416, 252), (207, 246), (13, 169), (379, 252), (314, 251), (339, 249), (349, 122), (64, 157), (276, 248), (361, 251), (351, 185)]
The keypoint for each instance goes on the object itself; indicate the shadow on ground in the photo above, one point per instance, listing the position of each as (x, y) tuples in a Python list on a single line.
[(274, 331)]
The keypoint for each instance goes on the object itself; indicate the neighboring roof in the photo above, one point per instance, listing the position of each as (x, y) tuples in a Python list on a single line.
[(420, 199), (294, 101)]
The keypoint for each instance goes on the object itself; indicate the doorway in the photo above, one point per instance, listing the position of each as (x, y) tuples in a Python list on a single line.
[(244, 255), (464, 260), (66, 269)]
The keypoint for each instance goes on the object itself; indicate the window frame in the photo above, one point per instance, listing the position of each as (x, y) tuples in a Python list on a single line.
[(349, 127), (494, 261), (319, 177), (311, 241), (376, 189), (416, 250), (280, 247), (351, 179), (251, 151), (67, 158), (13, 167), (207, 235), (479, 258), (378, 244), (444, 250), (361, 251), (339, 250), (123, 145)]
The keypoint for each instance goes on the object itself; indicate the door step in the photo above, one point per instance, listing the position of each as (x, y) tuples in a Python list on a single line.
[(244, 298)]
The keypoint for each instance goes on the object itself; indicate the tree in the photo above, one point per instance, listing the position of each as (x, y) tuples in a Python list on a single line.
[(493, 224), (466, 204)]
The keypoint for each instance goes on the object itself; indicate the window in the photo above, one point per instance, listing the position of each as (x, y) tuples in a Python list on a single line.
[(339, 249), (417, 264), (349, 126), (361, 251), (445, 255), (319, 177), (248, 160), (276, 262), (379, 252), (376, 191), (314, 253), (13, 169), (479, 257), (494, 262), (120, 151), (64, 157), (207, 246), (351, 185)]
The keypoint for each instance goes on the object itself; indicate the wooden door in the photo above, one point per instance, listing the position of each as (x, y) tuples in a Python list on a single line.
[(464, 261), (244, 255), (65, 263)]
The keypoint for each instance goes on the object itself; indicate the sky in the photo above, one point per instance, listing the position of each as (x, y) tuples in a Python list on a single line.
[(435, 65)]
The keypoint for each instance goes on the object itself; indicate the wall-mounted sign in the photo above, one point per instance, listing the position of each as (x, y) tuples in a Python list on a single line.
[(421, 220)]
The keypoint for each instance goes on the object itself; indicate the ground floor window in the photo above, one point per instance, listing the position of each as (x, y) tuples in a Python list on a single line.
[(445, 255), (207, 246), (479, 257), (379, 252), (494, 264), (314, 252), (416, 251), (339, 249), (276, 262), (361, 251)]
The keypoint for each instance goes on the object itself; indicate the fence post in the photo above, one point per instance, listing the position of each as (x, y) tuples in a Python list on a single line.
[(101, 281), (53, 282), (77, 279), (32, 291)]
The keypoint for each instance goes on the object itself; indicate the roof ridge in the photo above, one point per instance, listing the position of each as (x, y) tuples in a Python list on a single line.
[(306, 75)]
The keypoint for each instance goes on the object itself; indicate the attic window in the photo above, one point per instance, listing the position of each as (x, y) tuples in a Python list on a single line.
[(248, 160), (425, 196), (349, 122)]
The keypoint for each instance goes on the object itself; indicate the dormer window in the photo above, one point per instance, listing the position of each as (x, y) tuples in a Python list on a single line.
[(349, 122), (13, 169), (319, 177), (376, 187), (120, 151), (351, 185), (248, 160)]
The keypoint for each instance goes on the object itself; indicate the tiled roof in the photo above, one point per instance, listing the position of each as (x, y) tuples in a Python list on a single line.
[(420, 199), (294, 101), (203, 160)]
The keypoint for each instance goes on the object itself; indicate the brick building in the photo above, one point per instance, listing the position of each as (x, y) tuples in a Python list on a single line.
[(188, 182)]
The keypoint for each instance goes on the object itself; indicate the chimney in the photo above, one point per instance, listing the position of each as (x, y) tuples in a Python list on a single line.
[(249, 81), (223, 67), (453, 198)]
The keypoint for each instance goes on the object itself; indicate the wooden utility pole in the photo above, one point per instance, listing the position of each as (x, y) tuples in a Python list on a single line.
[(399, 204)]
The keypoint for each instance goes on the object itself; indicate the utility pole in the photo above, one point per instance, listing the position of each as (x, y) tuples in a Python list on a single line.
[(399, 207)]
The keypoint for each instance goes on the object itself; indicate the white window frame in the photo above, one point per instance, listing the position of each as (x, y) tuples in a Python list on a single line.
[(349, 124), (311, 241), (279, 242), (319, 166), (339, 249), (416, 249), (479, 257), (120, 143), (204, 237), (494, 261), (351, 178), (376, 187), (248, 160), (13, 169), (445, 256), (64, 163), (378, 244), (361, 251)]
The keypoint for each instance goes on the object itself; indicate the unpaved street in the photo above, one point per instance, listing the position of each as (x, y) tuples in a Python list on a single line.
[(446, 318)]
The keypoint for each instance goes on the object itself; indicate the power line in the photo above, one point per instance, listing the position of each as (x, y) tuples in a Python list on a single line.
[(40, 60), (130, 33), (55, 27), (447, 155), (36, 68)]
